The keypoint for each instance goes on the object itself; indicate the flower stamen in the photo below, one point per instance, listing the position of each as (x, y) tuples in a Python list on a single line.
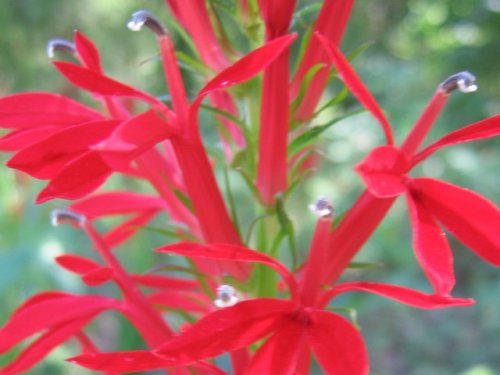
[(59, 44), (463, 81), (146, 18), (60, 216), (226, 296), (322, 208)]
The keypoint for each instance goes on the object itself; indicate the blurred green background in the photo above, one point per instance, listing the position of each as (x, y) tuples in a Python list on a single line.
[(416, 45)]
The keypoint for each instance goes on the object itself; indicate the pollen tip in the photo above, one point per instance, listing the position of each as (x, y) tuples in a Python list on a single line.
[(322, 208), (226, 296), (60, 216), (142, 18), (463, 81), (58, 44)]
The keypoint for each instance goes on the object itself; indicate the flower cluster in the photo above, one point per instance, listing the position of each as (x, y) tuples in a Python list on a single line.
[(265, 130)]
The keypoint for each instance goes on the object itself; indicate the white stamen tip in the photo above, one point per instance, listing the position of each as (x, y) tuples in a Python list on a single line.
[(322, 207), (58, 44), (145, 18), (226, 296), (62, 215), (465, 86), (463, 81)]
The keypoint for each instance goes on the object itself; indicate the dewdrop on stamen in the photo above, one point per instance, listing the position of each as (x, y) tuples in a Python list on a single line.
[(322, 207), (226, 296), (463, 81)]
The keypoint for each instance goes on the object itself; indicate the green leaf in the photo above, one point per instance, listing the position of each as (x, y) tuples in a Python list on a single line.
[(312, 133), (303, 87), (224, 114), (287, 227), (364, 265)]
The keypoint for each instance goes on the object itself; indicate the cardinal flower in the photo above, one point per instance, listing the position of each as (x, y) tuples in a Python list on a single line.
[(293, 327), (471, 218)]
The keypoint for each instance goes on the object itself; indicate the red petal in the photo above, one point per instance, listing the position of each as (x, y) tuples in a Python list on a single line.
[(471, 218), (99, 84), (40, 297), (39, 109), (337, 345), (79, 177), (194, 17), (246, 67), (135, 136), (47, 157), (483, 129), (401, 294), (280, 353), (276, 15), (166, 282), (98, 276), (249, 65), (228, 252), (355, 85), (383, 171), (271, 176), (331, 22), (227, 329), (128, 228), (77, 263), (131, 361), (87, 51), (43, 346), (184, 301), (431, 248), (116, 203), (48, 313), (24, 137)]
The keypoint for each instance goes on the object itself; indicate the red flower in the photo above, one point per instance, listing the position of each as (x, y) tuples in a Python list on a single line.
[(292, 326), (471, 218)]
